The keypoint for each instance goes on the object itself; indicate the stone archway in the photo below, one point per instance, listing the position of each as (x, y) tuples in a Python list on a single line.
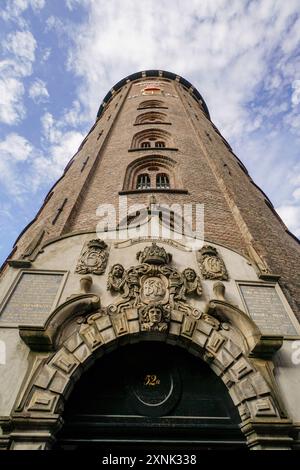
[(152, 303), (43, 400), (149, 395)]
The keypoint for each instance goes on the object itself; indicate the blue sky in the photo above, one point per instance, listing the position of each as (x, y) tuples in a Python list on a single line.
[(59, 58)]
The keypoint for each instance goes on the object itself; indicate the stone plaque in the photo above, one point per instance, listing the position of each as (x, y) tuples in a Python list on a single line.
[(267, 310), (31, 299)]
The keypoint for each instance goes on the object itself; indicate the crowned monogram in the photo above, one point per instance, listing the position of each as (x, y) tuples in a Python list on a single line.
[(93, 258), (154, 287), (211, 264)]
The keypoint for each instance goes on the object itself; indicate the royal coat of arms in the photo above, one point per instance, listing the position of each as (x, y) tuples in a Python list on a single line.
[(154, 287)]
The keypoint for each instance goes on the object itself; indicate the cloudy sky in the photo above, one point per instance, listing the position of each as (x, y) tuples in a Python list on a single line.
[(59, 58)]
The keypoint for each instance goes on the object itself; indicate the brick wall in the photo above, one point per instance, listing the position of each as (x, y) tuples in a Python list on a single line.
[(237, 213)]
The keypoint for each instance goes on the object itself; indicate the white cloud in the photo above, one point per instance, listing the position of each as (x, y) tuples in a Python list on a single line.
[(15, 147), (51, 130), (24, 169), (296, 194), (45, 54), (296, 92), (15, 150), (71, 4), (290, 214), (38, 91), (239, 55), (291, 41), (60, 144), (11, 106), (19, 48), (58, 155), (22, 44), (15, 8), (224, 48)]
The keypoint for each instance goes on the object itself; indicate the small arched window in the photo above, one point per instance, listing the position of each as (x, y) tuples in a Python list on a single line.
[(151, 117), (160, 144), (162, 181), (143, 181), (155, 138), (145, 145), (152, 104), (152, 173)]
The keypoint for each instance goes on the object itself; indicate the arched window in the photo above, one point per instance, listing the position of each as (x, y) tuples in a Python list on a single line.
[(143, 181), (145, 144), (152, 138), (152, 173), (162, 181), (160, 144), (152, 104), (151, 117)]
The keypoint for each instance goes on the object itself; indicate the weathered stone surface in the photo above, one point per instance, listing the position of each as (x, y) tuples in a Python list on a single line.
[(241, 368), (64, 361), (73, 342), (91, 336), (42, 401), (215, 342), (45, 376), (204, 327), (199, 338), (223, 359)]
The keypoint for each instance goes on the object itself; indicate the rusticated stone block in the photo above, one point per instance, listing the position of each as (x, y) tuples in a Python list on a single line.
[(103, 322), (175, 328), (264, 407), (188, 327), (59, 383), (259, 383), (42, 400), (229, 378), (91, 336), (73, 342), (134, 326), (204, 327), (241, 368), (108, 335), (45, 376), (64, 361), (246, 388), (215, 342), (176, 316), (223, 359), (232, 348), (82, 353), (199, 338), (120, 324), (132, 314)]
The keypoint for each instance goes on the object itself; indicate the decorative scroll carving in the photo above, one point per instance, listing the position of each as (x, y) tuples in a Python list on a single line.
[(211, 264), (93, 259), (153, 282)]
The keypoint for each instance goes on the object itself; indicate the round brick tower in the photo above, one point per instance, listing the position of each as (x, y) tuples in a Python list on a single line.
[(87, 275)]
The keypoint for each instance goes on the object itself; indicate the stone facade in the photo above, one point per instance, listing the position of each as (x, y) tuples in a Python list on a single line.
[(112, 291)]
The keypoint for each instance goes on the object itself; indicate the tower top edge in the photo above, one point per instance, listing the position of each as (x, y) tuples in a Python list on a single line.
[(156, 74)]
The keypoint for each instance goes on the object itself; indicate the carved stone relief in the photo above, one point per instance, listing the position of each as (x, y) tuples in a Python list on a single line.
[(153, 283), (154, 318), (93, 259), (211, 264)]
